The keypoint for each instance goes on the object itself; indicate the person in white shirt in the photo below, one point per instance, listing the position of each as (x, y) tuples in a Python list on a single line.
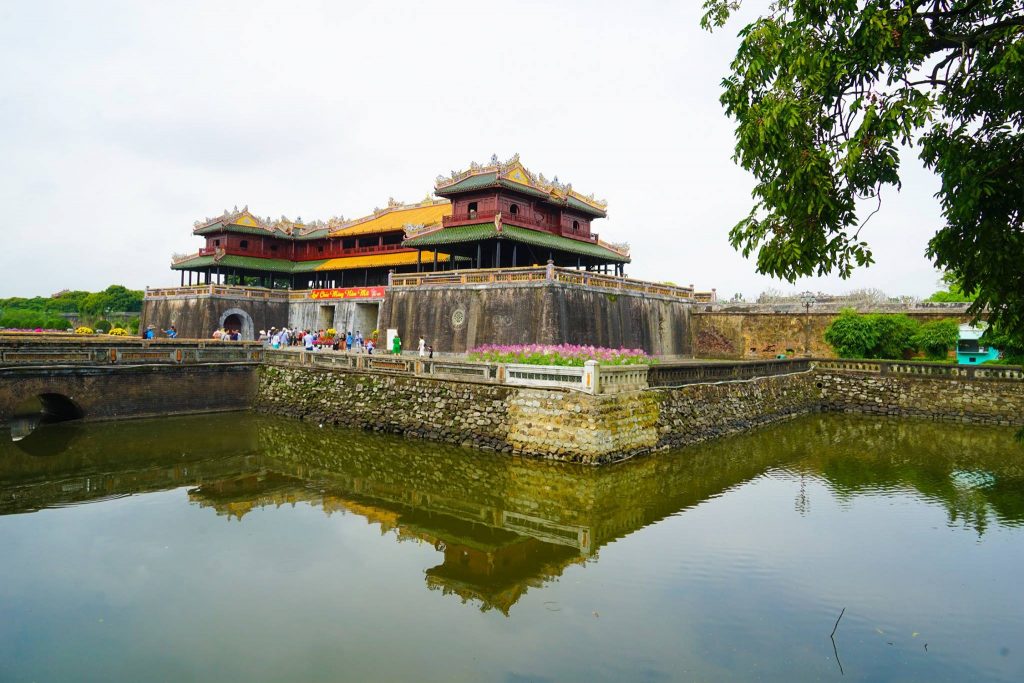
[(423, 347)]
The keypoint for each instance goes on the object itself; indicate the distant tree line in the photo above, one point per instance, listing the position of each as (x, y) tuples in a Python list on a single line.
[(46, 312)]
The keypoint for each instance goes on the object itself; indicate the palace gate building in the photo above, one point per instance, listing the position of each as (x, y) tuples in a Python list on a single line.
[(501, 255)]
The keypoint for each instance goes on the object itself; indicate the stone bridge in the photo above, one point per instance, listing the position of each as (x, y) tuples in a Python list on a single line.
[(67, 377)]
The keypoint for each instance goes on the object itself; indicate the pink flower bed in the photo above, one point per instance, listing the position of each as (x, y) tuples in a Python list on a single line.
[(562, 354)]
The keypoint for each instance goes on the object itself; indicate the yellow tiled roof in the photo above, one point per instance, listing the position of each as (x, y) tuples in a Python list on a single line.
[(401, 258), (395, 218)]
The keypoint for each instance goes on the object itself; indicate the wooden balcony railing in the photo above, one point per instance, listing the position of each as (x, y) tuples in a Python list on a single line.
[(486, 216)]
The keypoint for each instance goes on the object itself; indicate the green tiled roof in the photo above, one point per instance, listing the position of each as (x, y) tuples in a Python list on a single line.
[(248, 230), (525, 189), (537, 238), (461, 233), (473, 182), (574, 203), (276, 265)]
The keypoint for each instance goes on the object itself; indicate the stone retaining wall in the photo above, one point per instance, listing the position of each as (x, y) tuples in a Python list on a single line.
[(557, 424), (978, 401), (700, 412), (572, 426)]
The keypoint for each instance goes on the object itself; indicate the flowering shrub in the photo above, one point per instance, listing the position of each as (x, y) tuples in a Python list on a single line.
[(118, 332), (563, 354), (83, 330)]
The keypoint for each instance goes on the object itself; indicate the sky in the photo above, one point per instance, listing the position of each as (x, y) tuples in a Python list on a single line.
[(122, 123)]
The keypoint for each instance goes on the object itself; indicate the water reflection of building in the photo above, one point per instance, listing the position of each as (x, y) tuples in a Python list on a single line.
[(504, 525), (482, 563)]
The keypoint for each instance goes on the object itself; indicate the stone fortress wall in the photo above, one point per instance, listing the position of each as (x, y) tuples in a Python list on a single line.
[(749, 331), (456, 318), (573, 426), (589, 415)]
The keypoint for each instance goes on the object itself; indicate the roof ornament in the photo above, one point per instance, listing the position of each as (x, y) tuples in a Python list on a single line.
[(235, 209), (494, 160), (392, 203)]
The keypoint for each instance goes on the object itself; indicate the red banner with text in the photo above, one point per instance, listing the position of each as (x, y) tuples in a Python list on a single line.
[(348, 293)]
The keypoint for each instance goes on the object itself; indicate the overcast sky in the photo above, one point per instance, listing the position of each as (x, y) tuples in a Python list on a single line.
[(121, 123)]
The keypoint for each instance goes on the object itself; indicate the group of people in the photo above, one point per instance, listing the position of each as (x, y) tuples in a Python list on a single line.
[(312, 340), (222, 334), (316, 339), (150, 332)]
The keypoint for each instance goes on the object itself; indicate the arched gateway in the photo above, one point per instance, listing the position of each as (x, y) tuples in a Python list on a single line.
[(237, 319)]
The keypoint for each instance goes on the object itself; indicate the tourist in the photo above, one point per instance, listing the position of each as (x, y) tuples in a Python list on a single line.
[(396, 345), (422, 347), (359, 341), (218, 333), (349, 340), (369, 346), (150, 332), (307, 341), (275, 340), (430, 352), (172, 332), (264, 337)]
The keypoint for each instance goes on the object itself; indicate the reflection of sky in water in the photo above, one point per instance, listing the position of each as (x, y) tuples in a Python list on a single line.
[(744, 582)]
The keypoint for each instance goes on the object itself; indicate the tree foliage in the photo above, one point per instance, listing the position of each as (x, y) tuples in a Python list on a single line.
[(875, 335), (851, 335), (937, 337), (826, 93), (44, 312)]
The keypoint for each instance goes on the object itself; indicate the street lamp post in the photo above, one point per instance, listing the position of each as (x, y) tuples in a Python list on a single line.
[(807, 298)]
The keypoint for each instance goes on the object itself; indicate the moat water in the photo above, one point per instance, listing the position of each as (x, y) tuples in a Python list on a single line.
[(246, 548)]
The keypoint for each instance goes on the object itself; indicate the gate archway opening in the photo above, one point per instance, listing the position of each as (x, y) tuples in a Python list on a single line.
[(235, 319), (49, 407), (43, 408)]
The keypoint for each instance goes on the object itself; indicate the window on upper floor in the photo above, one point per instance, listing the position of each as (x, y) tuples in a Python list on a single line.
[(575, 226), (514, 209), (216, 243), (244, 244), (472, 209)]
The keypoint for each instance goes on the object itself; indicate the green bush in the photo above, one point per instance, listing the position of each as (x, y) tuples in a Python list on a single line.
[(1012, 348), (937, 337), (877, 335), (851, 335), (102, 326), (895, 335)]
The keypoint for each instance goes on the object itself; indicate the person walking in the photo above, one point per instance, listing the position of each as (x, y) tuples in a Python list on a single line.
[(396, 345), (359, 341), (349, 340), (422, 347), (307, 341)]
